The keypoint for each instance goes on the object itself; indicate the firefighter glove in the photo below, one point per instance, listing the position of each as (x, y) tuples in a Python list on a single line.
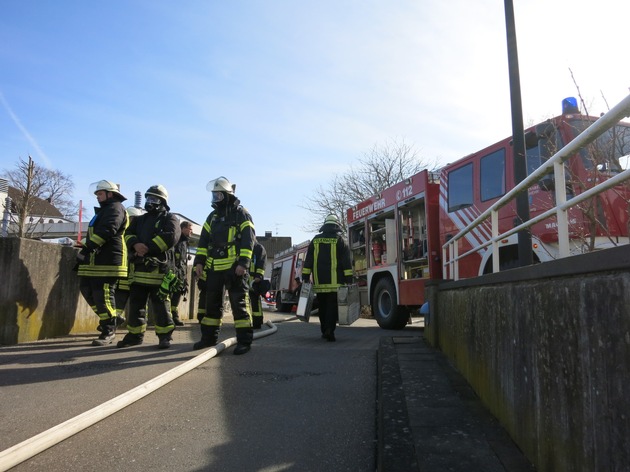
[(168, 285)]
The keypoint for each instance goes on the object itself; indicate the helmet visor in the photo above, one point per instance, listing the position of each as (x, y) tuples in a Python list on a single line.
[(153, 200), (217, 197)]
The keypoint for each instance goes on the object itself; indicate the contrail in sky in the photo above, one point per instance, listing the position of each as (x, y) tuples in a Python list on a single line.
[(25, 132)]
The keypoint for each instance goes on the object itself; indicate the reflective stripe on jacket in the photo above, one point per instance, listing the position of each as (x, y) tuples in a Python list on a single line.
[(328, 261), (159, 232), (227, 237), (106, 251)]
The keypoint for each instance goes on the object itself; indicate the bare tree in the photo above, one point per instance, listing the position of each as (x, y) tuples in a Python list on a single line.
[(58, 190), (377, 169), (33, 184)]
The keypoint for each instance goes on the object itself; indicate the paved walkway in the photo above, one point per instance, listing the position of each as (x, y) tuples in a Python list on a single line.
[(429, 418)]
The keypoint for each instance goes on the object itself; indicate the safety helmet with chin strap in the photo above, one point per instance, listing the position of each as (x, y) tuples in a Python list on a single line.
[(107, 186)]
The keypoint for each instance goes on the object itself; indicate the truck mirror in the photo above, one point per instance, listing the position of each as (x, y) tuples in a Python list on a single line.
[(531, 139)]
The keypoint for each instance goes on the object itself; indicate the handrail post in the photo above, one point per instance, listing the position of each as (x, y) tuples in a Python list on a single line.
[(562, 220), (494, 217)]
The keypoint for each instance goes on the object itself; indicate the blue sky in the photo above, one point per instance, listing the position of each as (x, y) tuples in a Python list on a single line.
[(280, 95)]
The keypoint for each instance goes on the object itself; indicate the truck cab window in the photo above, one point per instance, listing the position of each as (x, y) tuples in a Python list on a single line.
[(492, 176), (460, 188)]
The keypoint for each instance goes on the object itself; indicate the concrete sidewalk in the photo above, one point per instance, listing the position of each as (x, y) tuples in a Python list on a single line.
[(429, 418)]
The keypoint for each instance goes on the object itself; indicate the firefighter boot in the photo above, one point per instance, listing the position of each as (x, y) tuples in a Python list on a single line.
[(165, 340), (177, 321), (107, 329), (131, 339), (244, 338), (209, 337), (108, 333), (242, 348)]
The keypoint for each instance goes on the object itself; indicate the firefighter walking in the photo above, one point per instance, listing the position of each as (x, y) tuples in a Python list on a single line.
[(102, 259), (150, 239), (225, 250), (328, 261)]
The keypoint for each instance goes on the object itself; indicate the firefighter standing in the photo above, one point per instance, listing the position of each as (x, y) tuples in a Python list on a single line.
[(225, 252), (124, 284), (328, 260), (259, 286), (181, 266), (102, 259), (151, 238)]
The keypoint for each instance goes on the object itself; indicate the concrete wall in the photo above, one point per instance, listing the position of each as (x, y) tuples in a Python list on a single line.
[(547, 349), (39, 293)]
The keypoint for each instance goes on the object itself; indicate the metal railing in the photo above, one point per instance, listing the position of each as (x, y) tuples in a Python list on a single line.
[(556, 162)]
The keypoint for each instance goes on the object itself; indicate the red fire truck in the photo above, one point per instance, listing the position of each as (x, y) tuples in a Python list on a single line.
[(287, 265), (396, 236)]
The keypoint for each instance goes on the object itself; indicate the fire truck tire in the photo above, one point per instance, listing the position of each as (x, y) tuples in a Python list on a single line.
[(388, 314)]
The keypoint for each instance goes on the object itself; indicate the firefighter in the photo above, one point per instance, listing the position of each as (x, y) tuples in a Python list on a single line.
[(328, 261), (150, 239), (181, 265), (259, 286), (102, 259), (123, 286), (224, 253)]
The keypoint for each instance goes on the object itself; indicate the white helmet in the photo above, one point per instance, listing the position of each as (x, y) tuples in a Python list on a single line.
[(135, 211), (331, 219), (221, 184), (107, 186), (219, 187)]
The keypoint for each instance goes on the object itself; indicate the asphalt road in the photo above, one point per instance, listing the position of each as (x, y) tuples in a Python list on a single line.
[(293, 403)]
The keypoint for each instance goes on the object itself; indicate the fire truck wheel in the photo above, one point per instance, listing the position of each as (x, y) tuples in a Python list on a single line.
[(388, 314)]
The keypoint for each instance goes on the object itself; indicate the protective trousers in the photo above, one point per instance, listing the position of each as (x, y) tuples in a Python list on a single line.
[(328, 311), (175, 299), (100, 294), (257, 313), (139, 296), (238, 294), (201, 303)]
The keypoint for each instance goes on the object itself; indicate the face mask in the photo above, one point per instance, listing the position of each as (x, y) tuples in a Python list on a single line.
[(152, 203), (217, 197)]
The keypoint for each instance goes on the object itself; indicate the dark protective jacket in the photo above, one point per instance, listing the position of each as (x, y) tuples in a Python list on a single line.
[(160, 231), (227, 238), (328, 260), (104, 248), (259, 259)]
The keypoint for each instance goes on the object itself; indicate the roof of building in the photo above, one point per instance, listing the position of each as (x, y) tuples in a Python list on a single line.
[(274, 244), (40, 206)]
